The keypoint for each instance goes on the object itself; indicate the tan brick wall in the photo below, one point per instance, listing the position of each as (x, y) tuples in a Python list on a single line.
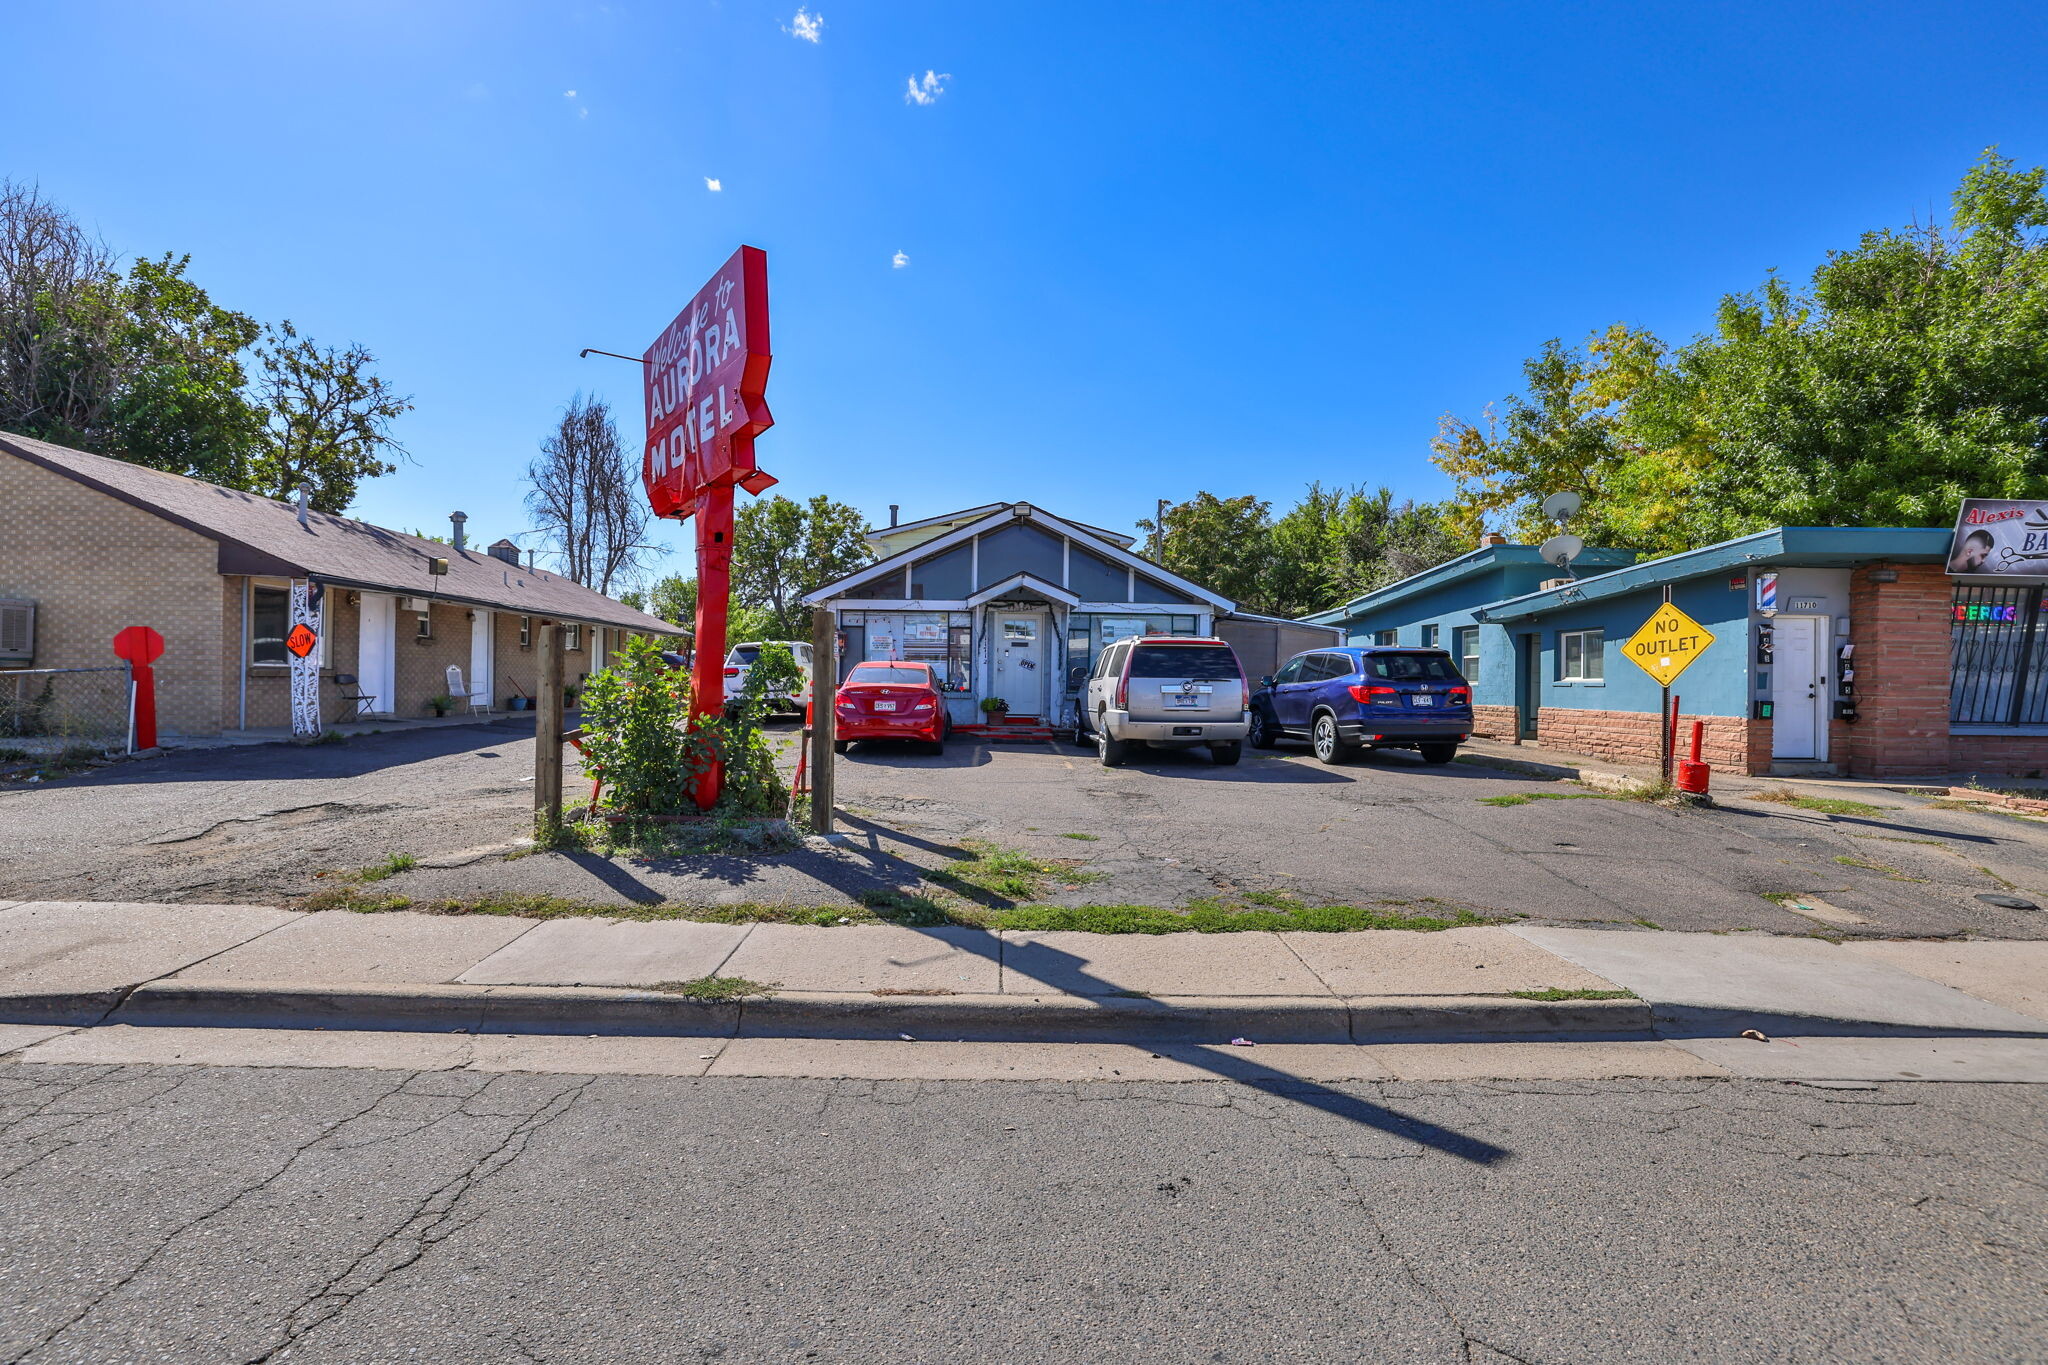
[(1901, 630), (1631, 737), (1494, 722), (92, 565)]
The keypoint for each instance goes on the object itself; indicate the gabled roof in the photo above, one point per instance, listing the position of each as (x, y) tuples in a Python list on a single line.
[(1003, 513), (889, 540), (259, 535), (1451, 571), (1814, 546)]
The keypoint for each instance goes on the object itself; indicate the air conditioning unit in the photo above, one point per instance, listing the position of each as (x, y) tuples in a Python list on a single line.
[(1547, 584), (416, 603), (17, 632)]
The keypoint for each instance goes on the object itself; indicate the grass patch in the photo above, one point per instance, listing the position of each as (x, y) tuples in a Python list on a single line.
[(660, 840), (1553, 993), (1851, 860), (715, 988), (1091, 838), (1647, 924), (1650, 793), (1212, 917), (996, 876), (1826, 805), (391, 866)]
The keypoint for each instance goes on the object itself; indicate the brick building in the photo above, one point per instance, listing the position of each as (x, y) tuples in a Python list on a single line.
[(1837, 649), (90, 545)]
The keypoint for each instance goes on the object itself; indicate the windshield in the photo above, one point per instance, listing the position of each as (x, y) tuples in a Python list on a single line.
[(1198, 663), (1412, 667), (744, 655), (903, 675)]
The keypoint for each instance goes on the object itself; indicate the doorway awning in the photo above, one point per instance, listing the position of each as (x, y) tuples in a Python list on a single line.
[(1028, 582)]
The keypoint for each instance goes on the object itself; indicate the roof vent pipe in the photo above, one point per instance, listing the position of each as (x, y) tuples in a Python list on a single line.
[(456, 519), (893, 509), (305, 500)]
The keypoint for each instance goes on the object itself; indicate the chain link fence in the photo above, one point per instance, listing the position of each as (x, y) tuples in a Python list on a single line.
[(50, 712)]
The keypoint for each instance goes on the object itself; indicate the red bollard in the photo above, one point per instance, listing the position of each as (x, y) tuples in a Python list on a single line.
[(1693, 774)]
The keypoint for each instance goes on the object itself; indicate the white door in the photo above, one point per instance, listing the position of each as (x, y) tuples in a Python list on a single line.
[(482, 683), (377, 651), (1799, 692), (1020, 649)]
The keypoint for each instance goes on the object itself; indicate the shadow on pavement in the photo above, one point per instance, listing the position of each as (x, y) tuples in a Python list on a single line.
[(285, 762)]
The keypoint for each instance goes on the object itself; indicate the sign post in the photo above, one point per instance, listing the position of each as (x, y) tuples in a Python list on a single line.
[(140, 647), (706, 380), (1665, 646), (301, 642)]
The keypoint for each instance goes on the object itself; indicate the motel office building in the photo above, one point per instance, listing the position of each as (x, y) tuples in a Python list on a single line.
[(89, 545), (1843, 650)]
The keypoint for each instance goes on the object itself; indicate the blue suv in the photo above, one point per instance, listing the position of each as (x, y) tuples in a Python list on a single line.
[(1345, 699)]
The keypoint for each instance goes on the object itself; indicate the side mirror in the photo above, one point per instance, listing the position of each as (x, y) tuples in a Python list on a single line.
[(1266, 680)]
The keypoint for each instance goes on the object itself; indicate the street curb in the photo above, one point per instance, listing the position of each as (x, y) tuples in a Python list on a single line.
[(839, 1015)]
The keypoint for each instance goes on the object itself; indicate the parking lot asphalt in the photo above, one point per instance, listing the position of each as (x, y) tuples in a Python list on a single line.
[(262, 825)]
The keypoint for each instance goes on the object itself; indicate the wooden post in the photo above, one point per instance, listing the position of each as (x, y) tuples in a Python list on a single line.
[(547, 733), (824, 686)]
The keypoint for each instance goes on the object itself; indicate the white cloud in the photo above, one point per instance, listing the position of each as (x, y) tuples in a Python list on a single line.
[(582, 113), (805, 26), (715, 186), (568, 94), (899, 260), (927, 92)]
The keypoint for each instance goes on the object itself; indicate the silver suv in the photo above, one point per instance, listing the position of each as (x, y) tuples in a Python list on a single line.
[(1170, 691)]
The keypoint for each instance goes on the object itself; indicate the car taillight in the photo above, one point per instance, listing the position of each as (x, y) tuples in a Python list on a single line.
[(1123, 688), (1374, 696), (1459, 696), (732, 672)]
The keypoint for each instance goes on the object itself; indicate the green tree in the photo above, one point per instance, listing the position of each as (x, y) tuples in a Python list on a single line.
[(1338, 542), (673, 598), (1221, 543), (325, 420), (783, 550)]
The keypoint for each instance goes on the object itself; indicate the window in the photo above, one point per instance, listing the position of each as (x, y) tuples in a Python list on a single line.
[(1386, 637), (1429, 637), (572, 637), (1465, 644), (1290, 672), (1997, 672), (1323, 667), (1580, 657), (424, 630), (270, 620), (1112, 664), (1410, 667), (526, 632), (903, 675), (1202, 663)]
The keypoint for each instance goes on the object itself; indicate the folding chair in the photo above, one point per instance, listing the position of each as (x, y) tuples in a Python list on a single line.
[(352, 691), (479, 699)]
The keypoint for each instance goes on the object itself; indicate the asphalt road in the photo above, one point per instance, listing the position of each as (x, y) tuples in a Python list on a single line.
[(260, 825), (208, 1214)]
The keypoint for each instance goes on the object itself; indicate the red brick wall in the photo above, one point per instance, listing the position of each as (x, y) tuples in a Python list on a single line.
[(1494, 722), (1631, 737), (1901, 631), (1760, 747), (1997, 755)]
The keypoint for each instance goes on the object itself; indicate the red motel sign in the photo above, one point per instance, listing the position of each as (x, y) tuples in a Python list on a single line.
[(706, 390)]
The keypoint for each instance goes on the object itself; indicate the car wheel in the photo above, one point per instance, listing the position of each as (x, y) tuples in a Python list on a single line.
[(935, 746), (840, 746), (1112, 752), (1223, 755), (1329, 748), (1439, 753), (1082, 738), (1264, 734)]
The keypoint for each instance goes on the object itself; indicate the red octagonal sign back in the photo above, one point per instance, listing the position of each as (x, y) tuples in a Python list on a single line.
[(706, 389)]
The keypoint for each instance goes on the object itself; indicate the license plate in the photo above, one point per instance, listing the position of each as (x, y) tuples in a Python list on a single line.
[(1185, 699), (1423, 699), (885, 706)]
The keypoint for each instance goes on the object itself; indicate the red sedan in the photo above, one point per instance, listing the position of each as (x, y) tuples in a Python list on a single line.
[(890, 700)]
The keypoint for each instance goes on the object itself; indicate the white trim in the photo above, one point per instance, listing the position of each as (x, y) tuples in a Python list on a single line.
[(894, 604), (975, 513), (1045, 521), (1023, 579), (1066, 560), (1141, 608)]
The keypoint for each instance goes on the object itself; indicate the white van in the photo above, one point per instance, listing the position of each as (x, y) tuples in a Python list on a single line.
[(739, 661)]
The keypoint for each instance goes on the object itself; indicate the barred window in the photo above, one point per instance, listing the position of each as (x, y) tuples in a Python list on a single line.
[(1997, 675)]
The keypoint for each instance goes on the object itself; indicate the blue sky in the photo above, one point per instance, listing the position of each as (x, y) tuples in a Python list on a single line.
[(1150, 248)]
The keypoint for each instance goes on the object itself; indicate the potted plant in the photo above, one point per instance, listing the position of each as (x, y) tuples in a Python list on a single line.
[(516, 702), (441, 705), (994, 706)]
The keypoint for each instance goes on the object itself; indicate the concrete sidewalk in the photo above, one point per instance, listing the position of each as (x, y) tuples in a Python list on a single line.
[(1978, 1010)]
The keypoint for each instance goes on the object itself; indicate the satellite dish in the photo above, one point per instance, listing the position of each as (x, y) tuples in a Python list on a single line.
[(1562, 550), (1562, 507)]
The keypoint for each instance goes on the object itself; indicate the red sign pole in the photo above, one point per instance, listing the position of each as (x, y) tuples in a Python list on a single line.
[(706, 389), (140, 647)]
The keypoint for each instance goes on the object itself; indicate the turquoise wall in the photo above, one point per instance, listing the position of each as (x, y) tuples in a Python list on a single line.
[(1453, 606), (1717, 685)]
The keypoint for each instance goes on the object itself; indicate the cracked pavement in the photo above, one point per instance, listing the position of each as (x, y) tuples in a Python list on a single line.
[(206, 1213), (258, 825)]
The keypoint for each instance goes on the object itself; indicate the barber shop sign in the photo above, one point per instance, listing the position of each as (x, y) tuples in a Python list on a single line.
[(1996, 536)]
